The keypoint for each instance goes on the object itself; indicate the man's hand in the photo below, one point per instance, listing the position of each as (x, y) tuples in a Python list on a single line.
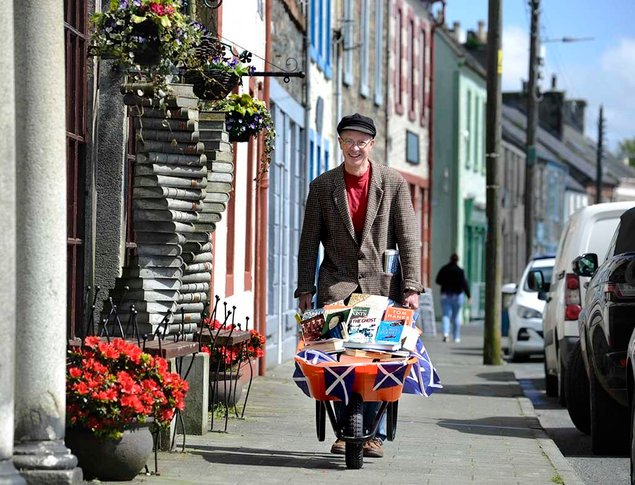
[(411, 299), (305, 301)]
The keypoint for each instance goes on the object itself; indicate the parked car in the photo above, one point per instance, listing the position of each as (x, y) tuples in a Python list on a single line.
[(525, 312), (588, 230), (606, 326), (630, 389)]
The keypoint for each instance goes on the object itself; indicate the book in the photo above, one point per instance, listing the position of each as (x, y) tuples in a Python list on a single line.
[(208, 217), (158, 238), (335, 323), (327, 345), (216, 197), (171, 170), (398, 313), (362, 324), (225, 187), (166, 181), (409, 338), (369, 354), (160, 113), (170, 101), (197, 278), (217, 207), (198, 247), (164, 215), (159, 250), (311, 312), (387, 346), (141, 123), (154, 227), (161, 204), (213, 116), (194, 296), (170, 147), (155, 192), (172, 159), (220, 176), (311, 328), (163, 134), (363, 299), (390, 331), (197, 268), (200, 257)]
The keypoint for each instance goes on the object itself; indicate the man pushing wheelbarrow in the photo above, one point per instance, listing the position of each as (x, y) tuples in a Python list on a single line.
[(362, 214)]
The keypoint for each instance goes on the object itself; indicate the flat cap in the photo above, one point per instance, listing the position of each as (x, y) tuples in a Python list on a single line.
[(357, 122)]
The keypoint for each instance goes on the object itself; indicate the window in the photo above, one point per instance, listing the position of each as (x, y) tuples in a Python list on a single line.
[(422, 74), (398, 62), (75, 30), (477, 134), (379, 51), (412, 85), (365, 49), (467, 131), (412, 147), (320, 27), (348, 31)]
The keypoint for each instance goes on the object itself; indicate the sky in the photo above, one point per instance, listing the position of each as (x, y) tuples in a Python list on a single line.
[(600, 71)]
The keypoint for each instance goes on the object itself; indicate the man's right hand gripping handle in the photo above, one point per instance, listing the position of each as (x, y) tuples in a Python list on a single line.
[(305, 301)]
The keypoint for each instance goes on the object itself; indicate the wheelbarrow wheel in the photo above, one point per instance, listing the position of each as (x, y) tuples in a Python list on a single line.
[(391, 421), (320, 420), (354, 426)]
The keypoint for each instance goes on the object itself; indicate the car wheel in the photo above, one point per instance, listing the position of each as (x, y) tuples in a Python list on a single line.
[(609, 428), (551, 382), (562, 373), (577, 391)]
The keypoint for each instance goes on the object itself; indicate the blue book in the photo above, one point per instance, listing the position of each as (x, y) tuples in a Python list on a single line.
[(389, 331)]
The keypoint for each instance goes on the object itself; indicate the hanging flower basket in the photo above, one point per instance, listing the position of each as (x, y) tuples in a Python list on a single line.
[(241, 137), (212, 85)]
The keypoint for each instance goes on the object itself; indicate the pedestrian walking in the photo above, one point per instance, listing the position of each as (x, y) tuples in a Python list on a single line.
[(357, 212), (454, 285)]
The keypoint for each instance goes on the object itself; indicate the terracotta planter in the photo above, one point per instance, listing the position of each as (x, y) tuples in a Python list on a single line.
[(107, 459)]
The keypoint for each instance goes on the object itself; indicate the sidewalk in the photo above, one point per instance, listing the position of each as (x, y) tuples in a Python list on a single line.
[(479, 428)]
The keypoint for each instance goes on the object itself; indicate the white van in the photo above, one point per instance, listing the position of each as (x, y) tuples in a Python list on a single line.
[(588, 230)]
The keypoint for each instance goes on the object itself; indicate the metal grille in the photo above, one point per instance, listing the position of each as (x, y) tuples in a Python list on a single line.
[(75, 41)]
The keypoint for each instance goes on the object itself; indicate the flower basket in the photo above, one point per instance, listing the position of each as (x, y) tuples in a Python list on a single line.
[(241, 137), (212, 85)]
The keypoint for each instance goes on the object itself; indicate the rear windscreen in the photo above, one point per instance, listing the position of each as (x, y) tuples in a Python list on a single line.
[(600, 237)]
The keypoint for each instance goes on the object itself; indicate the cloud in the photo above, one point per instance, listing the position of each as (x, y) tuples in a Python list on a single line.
[(515, 57)]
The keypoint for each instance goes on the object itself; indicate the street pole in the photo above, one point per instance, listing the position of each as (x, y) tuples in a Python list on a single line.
[(492, 331), (600, 156), (532, 126)]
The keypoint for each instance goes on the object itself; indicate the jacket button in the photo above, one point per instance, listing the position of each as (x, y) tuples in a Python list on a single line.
[(360, 276)]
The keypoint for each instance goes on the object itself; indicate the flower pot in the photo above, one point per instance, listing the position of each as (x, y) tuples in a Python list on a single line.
[(243, 137), (108, 459), (212, 85), (225, 390)]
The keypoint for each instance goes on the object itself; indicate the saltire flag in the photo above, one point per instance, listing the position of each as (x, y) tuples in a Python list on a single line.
[(300, 380), (338, 381), (423, 379), (390, 374), (313, 357)]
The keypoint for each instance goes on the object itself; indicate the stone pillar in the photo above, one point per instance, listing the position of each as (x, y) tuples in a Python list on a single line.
[(8, 473), (196, 412), (39, 453)]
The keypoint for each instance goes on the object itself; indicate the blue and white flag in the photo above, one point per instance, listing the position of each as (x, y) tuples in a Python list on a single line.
[(300, 380), (389, 374), (315, 356), (338, 381), (423, 379)]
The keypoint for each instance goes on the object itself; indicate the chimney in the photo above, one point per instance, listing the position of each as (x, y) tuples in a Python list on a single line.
[(554, 82), (481, 33), (574, 112), (458, 33)]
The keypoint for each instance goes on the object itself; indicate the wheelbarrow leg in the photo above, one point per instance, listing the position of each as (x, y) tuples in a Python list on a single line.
[(354, 427)]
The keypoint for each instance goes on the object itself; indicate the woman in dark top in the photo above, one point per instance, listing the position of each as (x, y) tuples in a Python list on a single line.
[(453, 284)]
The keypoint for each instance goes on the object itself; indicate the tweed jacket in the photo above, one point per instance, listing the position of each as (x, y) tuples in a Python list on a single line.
[(348, 263)]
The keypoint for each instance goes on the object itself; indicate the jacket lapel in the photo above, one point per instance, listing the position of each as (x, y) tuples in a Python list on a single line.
[(341, 201), (375, 194)]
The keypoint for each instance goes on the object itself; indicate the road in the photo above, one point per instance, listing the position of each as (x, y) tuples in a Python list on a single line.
[(574, 445)]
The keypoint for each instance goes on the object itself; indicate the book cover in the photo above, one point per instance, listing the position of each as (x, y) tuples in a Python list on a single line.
[(362, 324), (409, 338), (362, 299), (172, 159), (390, 331), (311, 312), (311, 328), (335, 323), (165, 124), (398, 313), (169, 113), (372, 345), (328, 345)]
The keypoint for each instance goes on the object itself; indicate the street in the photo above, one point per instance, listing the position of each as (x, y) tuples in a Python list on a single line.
[(574, 445)]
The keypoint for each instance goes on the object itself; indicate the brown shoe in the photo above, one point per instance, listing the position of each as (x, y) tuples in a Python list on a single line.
[(374, 448), (339, 447)]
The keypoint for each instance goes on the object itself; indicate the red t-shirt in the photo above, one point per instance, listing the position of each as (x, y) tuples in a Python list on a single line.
[(357, 194)]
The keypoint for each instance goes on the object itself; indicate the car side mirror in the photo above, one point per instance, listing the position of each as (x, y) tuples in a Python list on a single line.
[(536, 282), (585, 265)]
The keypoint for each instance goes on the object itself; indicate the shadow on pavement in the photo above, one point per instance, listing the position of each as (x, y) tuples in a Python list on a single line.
[(519, 427), (486, 390), (267, 457), (503, 376)]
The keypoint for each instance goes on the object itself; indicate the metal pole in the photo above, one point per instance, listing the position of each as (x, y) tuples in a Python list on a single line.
[(600, 156), (492, 335), (532, 125)]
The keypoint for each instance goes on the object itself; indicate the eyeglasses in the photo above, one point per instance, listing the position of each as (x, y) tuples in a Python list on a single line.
[(347, 142)]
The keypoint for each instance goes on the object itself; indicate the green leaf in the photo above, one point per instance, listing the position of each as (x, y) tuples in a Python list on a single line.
[(165, 22), (137, 19)]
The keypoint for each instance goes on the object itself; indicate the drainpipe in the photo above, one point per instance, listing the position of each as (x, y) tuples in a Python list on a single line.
[(338, 40), (388, 51), (260, 285), (430, 151), (307, 84)]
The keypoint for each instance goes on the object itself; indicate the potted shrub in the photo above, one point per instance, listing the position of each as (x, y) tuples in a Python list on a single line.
[(142, 33), (226, 363), (215, 71), (246, 116), (114, 393)]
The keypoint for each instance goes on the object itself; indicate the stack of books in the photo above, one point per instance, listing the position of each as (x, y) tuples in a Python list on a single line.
[(367, 323)]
